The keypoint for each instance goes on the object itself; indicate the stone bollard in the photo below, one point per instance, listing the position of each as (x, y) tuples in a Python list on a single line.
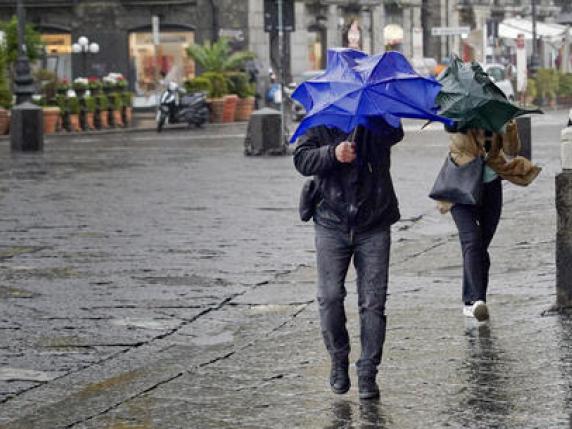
[(523, 125), (27, 128), (263, 136), (564, 225)]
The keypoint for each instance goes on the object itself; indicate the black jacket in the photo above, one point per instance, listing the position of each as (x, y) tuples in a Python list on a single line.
[(352, 197)]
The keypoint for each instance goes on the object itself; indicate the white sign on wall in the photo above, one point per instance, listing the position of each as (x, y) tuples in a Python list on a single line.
[(450, 31)]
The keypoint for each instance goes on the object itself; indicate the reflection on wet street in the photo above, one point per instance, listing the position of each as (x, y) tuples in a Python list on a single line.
[(362, 414), (486, 373)]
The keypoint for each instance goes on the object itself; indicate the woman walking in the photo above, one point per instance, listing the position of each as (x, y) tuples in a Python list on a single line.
[(477, 223)]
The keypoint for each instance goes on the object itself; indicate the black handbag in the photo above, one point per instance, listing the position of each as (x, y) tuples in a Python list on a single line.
[(459, 184), (308, 200)]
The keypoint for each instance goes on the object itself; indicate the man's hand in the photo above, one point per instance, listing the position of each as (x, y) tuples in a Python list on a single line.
[(346, 152)]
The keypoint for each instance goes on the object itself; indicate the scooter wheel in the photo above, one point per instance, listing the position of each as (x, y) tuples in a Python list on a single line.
[(161, 122)]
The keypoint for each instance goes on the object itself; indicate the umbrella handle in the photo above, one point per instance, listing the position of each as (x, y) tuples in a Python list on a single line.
[(353, 135)]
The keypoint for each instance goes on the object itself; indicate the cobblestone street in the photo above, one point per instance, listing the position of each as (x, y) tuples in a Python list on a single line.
[(165, 281)]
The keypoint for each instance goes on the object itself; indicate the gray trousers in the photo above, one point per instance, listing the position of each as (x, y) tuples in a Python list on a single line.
[(370, 251)]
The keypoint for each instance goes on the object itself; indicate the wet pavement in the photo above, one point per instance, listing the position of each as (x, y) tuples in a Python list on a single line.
[(166, 282)]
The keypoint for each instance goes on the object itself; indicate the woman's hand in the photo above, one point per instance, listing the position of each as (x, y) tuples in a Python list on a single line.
[(346, 152)]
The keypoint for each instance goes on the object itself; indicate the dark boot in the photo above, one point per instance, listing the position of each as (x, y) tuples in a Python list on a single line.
[(368, 388), (339, 377)]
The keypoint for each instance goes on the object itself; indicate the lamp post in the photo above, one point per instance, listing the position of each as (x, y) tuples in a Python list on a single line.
[(534, 60), (83, 47), (26, 126)]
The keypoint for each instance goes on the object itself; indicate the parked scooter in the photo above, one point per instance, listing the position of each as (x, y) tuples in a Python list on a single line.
[(175, 107)]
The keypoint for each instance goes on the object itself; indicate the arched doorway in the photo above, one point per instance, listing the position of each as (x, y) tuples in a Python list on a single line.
[(168, 60)]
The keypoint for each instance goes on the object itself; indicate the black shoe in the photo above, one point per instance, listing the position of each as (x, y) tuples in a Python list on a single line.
[(368, 387), (340, 378)]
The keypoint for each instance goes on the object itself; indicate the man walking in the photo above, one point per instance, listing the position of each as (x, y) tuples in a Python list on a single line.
[(353, 211)]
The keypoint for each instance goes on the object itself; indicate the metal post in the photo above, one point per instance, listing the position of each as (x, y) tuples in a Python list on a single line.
[(534, 61), (564, 225), (282, 71), (26, 125)]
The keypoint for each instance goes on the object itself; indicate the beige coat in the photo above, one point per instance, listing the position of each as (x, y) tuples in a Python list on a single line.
[(502, 157)]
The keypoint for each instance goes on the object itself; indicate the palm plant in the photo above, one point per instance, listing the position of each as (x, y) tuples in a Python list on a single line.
[(217, 56)]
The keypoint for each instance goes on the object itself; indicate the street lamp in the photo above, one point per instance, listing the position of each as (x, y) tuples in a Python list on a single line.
[(26, 126), (83, 47), (534, 60)]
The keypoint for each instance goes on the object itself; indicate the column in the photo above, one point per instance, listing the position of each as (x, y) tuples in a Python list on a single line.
[(417, 33), (407, 13), (377, 25), (333, 32), (365, 24)]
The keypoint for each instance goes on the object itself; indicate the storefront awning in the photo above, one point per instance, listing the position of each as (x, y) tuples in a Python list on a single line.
[(512, 27)]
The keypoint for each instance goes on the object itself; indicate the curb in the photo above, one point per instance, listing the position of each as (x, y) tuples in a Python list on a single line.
[(129, 130)]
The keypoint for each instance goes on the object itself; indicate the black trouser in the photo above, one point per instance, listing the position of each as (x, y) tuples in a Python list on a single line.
[(477, 226), (370, 252)]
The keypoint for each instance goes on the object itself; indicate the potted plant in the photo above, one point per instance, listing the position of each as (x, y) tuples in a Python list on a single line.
[(216, 101), (240, 86), (101, 110), (74, 109), (62, 87), (565, 89), (95, 86), (51, 114), (80, 86), (547, 85), (531, 91), (47, 82), (120, 84), (127, 112), (90, 112), (116, 102), (5, 95), (198, 84), (108, 85), (216, 59), (64, 120)]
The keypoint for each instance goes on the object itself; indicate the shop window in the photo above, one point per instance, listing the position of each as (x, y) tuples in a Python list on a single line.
[(166, 61), (58, 54), (315, 50)]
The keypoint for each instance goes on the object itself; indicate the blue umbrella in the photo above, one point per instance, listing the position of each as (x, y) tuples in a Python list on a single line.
[(338, 76), (357, 89)]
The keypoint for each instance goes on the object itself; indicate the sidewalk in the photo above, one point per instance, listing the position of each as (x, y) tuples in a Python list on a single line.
[(179, 301), (142, 122)]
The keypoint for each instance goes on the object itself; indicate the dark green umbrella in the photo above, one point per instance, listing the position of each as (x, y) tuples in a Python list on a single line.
[(472, 100)]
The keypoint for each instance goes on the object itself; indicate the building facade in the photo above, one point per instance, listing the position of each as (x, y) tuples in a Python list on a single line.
[(123, 30)]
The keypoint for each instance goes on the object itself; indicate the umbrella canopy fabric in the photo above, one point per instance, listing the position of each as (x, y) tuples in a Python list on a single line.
[(472, 100), (358, 89), (339, 76)]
